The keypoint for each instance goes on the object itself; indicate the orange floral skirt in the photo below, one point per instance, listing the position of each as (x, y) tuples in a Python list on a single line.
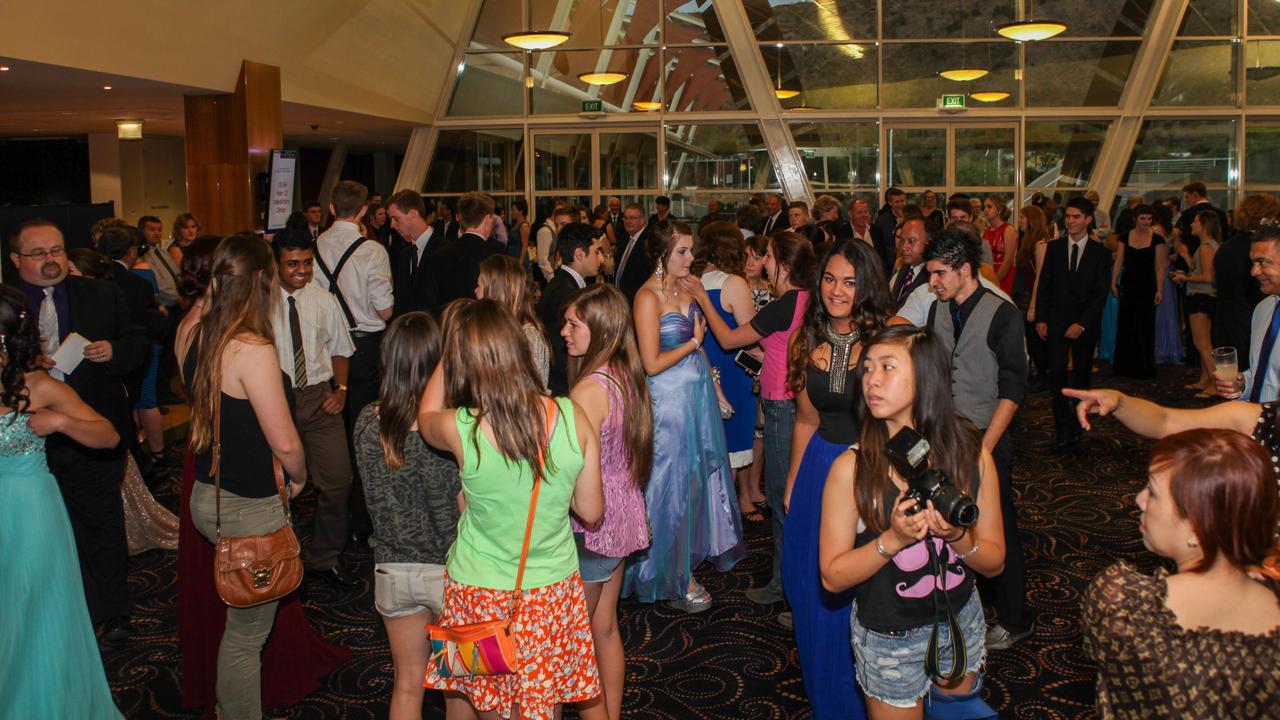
[(556, 658)]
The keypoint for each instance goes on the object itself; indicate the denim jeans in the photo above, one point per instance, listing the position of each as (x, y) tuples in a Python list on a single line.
[(779, 421)]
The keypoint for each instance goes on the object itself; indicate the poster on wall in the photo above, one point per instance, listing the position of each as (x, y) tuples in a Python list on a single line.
[(280, 174)]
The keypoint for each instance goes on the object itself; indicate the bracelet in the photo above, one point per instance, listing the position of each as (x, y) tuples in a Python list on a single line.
[(880, 549), (966, 555), (697, 344)]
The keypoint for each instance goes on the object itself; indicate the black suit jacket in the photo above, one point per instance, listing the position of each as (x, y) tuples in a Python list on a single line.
[(637, 271), (97, 309), (417, 287), (883, 236), (141, 299), (551, 314), (458, 267), (1066, 297), (774, 223), (448, 230)]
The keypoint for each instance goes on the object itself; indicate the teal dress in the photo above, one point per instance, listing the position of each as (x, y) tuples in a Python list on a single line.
[(49, 661)]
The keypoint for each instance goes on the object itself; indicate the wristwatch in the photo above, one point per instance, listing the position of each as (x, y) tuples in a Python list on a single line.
[(339, 386)]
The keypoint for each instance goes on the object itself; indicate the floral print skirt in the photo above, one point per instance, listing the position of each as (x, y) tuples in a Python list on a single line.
[(555, 655)]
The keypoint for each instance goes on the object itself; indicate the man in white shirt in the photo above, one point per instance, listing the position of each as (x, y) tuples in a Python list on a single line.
[(313, 344), (1261, 382), (357, 271), (915, 238), (561, 216), (631, 259), (416, 285)]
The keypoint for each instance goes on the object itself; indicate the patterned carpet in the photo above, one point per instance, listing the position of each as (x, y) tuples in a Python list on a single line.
[(734, 661)]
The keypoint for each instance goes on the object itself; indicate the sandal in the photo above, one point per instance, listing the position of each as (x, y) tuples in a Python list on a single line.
[(753, 515), (694, 601)]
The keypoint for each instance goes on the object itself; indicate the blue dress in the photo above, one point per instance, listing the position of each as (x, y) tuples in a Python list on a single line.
[(1168, 325), (1107, 339), (735, 383), (690, 499), (821, 618), (49, 661)]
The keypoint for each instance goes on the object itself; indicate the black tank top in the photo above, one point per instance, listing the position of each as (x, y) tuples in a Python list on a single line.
[(898, 596), (837, 421), (246, 458)]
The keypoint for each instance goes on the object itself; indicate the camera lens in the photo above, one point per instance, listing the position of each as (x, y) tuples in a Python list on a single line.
[(959, 509)]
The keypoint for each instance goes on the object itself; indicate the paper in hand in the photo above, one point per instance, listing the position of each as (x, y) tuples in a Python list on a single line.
[(70, 353)]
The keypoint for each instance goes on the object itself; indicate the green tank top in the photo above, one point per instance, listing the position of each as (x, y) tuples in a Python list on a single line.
[(486, 552)]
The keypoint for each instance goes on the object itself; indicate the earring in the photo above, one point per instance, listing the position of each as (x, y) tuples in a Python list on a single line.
[(1192, 542), (660, 271)]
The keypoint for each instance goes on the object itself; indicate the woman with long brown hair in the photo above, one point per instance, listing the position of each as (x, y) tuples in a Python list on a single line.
[(234, 377), (185, 231), (1002, 238), (485, 407), (1201, 294), (412, 493), (1033, 228), (609, 384), (690, 489), (505, 282)]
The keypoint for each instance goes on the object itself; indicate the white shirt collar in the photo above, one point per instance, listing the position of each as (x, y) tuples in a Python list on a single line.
[(638, 232), (422, 240), (576, 277)]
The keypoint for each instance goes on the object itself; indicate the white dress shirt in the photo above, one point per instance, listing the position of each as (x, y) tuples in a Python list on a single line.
[(365, 281), (1258, 331), (324, 332), (916, 309), (632, 242), (421, 241), (1080, 243)]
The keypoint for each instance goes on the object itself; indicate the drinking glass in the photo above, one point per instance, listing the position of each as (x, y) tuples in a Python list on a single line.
[(1224, 363)]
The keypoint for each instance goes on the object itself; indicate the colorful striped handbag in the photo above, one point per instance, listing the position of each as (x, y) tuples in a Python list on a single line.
[(489, 648)]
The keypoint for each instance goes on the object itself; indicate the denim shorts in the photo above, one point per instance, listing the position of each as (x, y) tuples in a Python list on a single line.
[(401, 589), (890, 666), (592, 566)]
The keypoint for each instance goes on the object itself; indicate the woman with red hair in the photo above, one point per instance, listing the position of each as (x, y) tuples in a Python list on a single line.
[(1162, 642)]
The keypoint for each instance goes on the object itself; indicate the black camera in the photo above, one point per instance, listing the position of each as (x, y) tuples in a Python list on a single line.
[(909, 452)]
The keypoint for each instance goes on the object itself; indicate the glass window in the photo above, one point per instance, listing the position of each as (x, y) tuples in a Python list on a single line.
[(1262, 155), (820, 20), (1172, 153), (1062, 153), (702, 78), (597, 23), (491, 160), (918, 157), (718, 156), (1198, 72), (629, 160), (557, 88), (944, 18), (692, 207), (1097, 72), (1210, 17), (691, 21), (562, 162), (489, 84), (1264, 17), (497, 18), (1262, 72), (1096, 18), (826, 76), (911, 71), (985, 157), (839, 155)]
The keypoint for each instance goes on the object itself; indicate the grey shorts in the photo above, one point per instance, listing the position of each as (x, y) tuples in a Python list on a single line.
[(890, 666), (592, 566), (401, 589)]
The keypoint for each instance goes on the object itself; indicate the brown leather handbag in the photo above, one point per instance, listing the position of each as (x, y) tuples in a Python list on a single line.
[(253, 569)]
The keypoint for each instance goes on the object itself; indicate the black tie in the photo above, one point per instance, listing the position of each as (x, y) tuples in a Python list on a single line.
[(957, 323), (413, 265), (299, 355), (1075, 256)]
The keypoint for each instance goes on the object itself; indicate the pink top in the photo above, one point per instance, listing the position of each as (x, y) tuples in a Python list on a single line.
[(625, 526), (776, 339)]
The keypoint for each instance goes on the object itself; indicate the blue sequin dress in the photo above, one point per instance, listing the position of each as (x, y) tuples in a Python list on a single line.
[(690, 498), (49, 661)]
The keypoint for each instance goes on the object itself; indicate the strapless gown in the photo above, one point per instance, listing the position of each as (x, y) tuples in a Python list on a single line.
[(692, 505), (49, 661)]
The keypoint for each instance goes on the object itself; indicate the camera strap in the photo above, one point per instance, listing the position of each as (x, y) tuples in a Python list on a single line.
[(960, 659)]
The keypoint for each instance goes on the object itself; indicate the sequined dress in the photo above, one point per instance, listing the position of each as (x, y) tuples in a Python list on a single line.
[(49, 661)]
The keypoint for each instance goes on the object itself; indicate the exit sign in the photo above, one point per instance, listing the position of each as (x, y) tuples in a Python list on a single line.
[(948, 101), (595, 106)]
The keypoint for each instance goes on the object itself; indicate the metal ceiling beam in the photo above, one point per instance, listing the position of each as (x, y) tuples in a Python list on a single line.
[(759, 87), (1148, 66)]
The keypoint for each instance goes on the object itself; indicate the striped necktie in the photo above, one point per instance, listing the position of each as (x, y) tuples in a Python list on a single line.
[(295, 337)]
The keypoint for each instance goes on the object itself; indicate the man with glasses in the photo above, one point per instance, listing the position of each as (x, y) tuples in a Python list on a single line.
[(89, 479)]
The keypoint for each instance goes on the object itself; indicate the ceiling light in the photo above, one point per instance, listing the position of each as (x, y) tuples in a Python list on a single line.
[(4, 68), (129, 129), (800, 107), (989, 96), (645, 106), (784, 94), (537, 39), (1031, 30), (963, 74), (602, 78), (106, 87)]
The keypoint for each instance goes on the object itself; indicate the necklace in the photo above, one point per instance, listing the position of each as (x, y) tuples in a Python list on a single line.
[(840, 347)]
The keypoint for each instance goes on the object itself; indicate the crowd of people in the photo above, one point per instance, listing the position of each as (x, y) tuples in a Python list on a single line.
[(639, 389)]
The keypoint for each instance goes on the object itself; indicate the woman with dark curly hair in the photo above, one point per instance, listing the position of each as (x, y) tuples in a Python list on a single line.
[(42, 603)]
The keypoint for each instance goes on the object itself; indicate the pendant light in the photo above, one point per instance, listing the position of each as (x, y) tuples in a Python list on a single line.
[(964, 73), (602, 77), (989, 96), (646, 106), (1030, 30), (537, 39), (780, 92)]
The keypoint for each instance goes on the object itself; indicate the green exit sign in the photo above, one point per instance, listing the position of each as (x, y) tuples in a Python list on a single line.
[(948, 101), (595, 106)]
